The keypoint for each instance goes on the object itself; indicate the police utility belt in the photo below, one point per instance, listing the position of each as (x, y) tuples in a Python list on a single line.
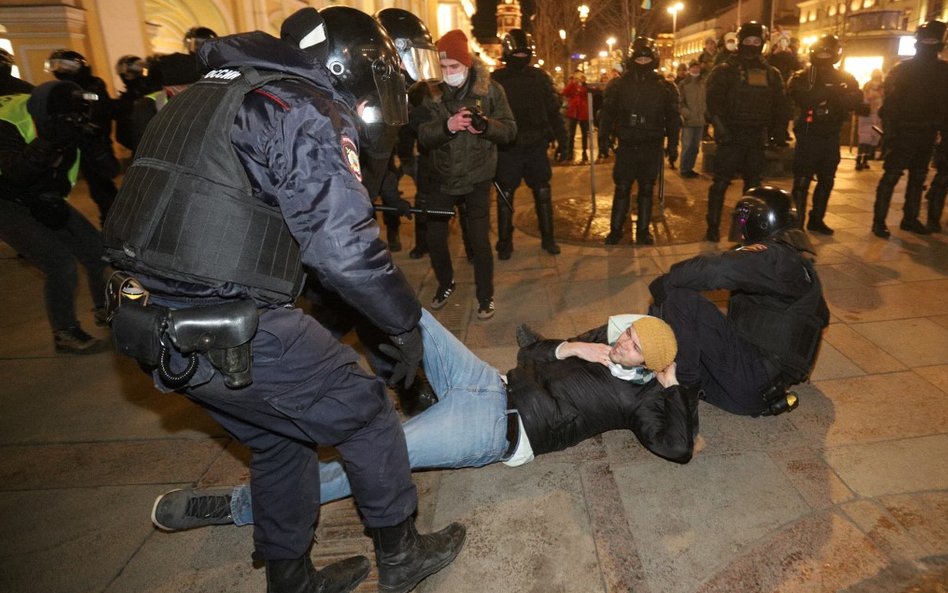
[(147, 332)]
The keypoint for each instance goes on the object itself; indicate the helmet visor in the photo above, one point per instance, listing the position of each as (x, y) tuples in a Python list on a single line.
[(392, 96), (421, 64), (63, 66)]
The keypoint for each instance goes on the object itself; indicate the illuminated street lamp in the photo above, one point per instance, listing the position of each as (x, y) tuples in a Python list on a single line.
[(673, 10), (583, 14)]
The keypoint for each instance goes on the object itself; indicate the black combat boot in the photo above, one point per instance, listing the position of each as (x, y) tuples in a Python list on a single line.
[(644, 217), (880, 209), (505, 224), (405, 557), (820, 200), (300, 576), (715, 207), (543, 200), (913, 204), (620, 212), (936, 206), (421, 229)]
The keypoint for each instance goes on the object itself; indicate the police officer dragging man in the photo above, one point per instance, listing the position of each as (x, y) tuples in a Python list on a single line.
[(210, 231), (745, 100), (536, 109), (745, 361), (824, 97), (914, 108), (640, 108)]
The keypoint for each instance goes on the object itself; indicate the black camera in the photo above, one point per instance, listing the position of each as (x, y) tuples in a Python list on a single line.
[(478, 119)]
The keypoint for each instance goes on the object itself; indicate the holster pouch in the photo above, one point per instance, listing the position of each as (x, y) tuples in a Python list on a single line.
[(137, 332), (222, 332)]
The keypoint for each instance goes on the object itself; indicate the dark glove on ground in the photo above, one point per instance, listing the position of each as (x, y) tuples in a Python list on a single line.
[(657, 288), (59, 130), (407, 351)]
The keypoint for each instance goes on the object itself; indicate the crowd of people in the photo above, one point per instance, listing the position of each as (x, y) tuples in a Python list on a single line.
[(218, 229)]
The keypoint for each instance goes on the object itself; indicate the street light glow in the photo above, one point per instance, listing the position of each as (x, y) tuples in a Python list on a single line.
[(675, 8), (562, 35), (583, 13)]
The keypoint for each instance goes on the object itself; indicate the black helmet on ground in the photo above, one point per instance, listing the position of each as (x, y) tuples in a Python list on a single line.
[(762, 213), (195, 37), (66, 64), (930, 37), (414, 44), (751, 38), (827, 51), (642, 55), (362, 57), (518, 48)]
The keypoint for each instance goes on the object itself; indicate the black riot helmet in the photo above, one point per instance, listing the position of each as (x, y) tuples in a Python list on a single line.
[(751, 38), (195, 37), (518, 48), (363, 59), (762, 213), (6, 64), (930, 38), (414, 44), (66, 64), (642, 55), (827, 51), (130, 68)]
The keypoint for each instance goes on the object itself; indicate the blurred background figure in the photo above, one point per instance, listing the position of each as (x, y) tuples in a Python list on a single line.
[(577, 112), (872, 95), (693, 109), (708, 54)]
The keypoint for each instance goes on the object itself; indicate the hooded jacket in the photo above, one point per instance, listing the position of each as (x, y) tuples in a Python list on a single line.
[(297, 140), (460, 160)]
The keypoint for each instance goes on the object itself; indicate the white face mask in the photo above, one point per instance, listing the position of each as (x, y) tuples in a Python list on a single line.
[(456, 79)]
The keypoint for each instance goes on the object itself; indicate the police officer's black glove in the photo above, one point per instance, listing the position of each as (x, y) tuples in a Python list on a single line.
[(657, 288), (403, 206), (407, 352), (60, 130)]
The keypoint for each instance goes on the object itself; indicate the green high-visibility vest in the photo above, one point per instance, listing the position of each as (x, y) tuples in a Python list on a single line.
[(13, 109)]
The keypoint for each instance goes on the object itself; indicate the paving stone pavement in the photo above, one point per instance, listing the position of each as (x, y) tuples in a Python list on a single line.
[(849, 493)]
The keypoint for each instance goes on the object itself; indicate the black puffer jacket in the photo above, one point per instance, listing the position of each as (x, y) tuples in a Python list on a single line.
[(563, 402)]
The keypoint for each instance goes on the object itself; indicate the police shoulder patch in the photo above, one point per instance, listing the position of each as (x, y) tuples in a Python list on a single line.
[(754, 248), (351, 155)]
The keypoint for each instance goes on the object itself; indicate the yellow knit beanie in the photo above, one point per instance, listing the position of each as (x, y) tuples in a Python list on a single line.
[(657, 339)]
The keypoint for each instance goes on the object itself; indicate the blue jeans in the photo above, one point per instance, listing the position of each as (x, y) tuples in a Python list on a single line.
[(690, 143), (466, 428)]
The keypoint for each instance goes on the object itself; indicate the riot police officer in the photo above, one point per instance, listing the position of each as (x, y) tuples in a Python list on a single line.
[(744, 361), (745, 99), (640, 108), (824, 97), (9, 84), (271, 183), (915, 105), (536, 108)]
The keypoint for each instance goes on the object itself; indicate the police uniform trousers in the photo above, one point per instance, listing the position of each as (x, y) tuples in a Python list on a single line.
[(529, 164), (744, 154), (815, 155), (912, 150), (308, 390), (731, 371), (639, 162)]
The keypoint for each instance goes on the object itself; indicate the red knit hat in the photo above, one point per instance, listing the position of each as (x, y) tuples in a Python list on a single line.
[(453, 46)]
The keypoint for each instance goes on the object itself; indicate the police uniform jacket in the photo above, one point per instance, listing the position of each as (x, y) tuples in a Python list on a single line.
[(297, 140), (916, 96), (563, 402), (746, 95), (462, 159), (824, 98), (535, 106), (641, 108)]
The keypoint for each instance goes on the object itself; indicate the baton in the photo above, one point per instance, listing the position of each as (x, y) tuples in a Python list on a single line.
[(878, 130), (428, 211), (503, 197)]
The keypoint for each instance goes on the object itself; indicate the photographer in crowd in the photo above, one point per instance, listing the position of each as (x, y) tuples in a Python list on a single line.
[(460, 122)]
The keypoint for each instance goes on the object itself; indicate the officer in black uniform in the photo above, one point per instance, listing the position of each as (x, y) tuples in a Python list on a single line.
[(640, 108), (824, 96), (9, 84), (939, 186), (745, 99), (915, 105), (743, 362), (536, 107), (99, 172), (211, 229)]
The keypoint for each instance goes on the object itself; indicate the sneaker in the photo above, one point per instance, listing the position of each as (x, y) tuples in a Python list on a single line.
[(191, 508), (73, 340), (441, 296), (485, 309)]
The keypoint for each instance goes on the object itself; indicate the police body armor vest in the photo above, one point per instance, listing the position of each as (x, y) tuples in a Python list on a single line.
[(13, 110), (526, 90), (750, 104), (186, 210), (788, 337), (641, 108)]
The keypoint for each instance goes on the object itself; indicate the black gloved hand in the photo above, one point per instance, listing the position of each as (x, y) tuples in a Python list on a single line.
[(657, 288), (407, 352), (60, 130), (403, 206)]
